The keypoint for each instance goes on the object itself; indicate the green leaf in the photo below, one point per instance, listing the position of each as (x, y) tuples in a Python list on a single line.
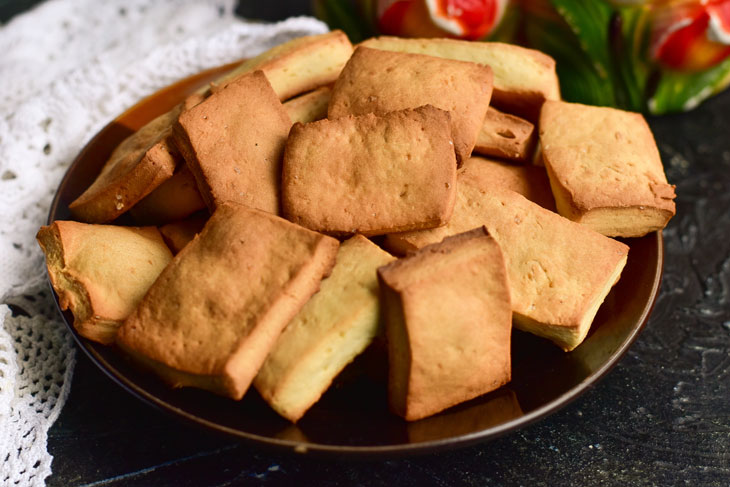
[(589, 21), (579, 81), (678, 91), (630, 56), (346, 15)]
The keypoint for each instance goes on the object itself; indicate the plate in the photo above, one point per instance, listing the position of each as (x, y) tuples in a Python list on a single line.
[(352, 417)]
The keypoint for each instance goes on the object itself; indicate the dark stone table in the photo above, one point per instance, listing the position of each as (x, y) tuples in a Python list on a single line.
[(661, 417)]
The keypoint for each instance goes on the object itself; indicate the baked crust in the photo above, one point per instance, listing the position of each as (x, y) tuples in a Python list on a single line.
[(178, 234), (309, 107), (212, 316), (101, 272), (605, 169), (506, 136), (460, 282), (137, 166), (523, 78), (376, 81), (371, 174), (335, 326), (559, 271), (175, 199), (530, 181), (300, 65), (233, 143)]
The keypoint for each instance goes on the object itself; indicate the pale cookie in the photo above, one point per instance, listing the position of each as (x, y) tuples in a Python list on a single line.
[(215, 312), (298, 66), (334, 327), (559, 271), (101, 272), (506, 136), (309, 107), (233, 143), (605, 169), (448, 322), (371, 174), (523, 78), (375, 81)]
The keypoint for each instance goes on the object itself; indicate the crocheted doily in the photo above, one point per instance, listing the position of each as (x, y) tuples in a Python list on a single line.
[(69, 67)]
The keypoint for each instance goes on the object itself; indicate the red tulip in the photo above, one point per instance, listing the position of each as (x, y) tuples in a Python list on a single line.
[(691, 35), (464, 19)]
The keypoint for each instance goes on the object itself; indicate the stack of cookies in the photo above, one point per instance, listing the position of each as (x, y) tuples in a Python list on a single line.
[(319, 197)]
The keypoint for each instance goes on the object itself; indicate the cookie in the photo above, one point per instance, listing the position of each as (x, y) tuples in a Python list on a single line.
[(175, 199), (530, 181), (376, 81), (605, 169), (506, 136), (559, 271), (101, 272), (523, 78), (448, 323), (309, 107), (141, 163), (334, 327), (297, 66), (370, 174), (213, 315), (233, 143)]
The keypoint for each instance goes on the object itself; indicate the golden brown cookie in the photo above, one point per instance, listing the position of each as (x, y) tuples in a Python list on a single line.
[(370, 174), (142, 162), (233, 143), (605, 169), (375, 81), (180, 233), (506, 136), (334, 327), (559, 271), (175, 199), (530, 181), (523, 78), (101, 272), (215, 312), (448, 322)]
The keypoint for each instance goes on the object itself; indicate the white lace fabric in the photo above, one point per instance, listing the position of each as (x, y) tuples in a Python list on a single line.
[(68, 67)]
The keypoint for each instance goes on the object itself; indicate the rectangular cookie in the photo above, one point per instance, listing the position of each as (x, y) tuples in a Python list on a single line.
[(101, 272), (175, 199), (309, 107), (506, 136), (448, 323), (371, 174), (523, 78), (530, 181), (141, 163), (215, 312), (334, 327), (559, 271), (299, 65), (375, 81), (233, 143), (180, 233), (605, 169)]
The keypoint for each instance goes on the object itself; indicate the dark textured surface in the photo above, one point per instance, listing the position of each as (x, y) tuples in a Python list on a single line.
[(661, 417)]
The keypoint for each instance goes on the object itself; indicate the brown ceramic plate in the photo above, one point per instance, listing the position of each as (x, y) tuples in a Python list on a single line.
[(352, 418)]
